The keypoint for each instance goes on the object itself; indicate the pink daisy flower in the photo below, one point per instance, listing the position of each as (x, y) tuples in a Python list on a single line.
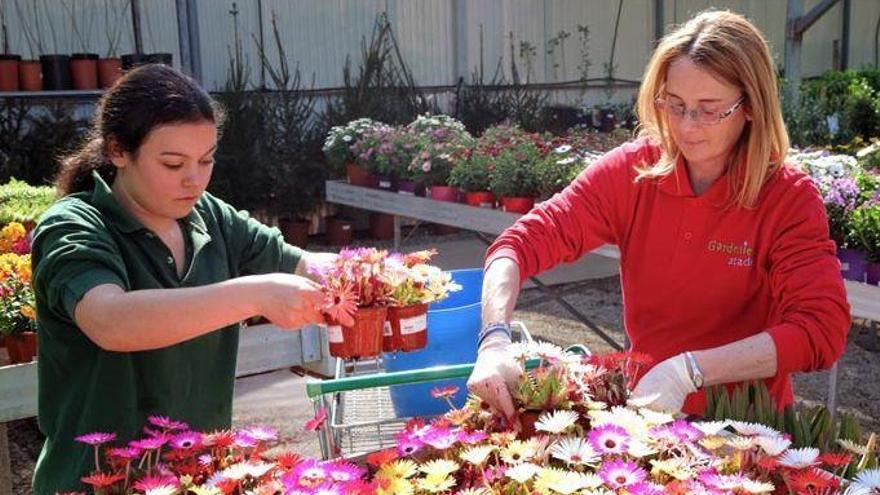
[(309, 473), (262, 433), (408, 444), (148, 483), (244, 440), (343, 472), (645, 488), (125, 453), (150, 443), (471, 437), (186, 440), (621, 474), (167, 423), (96, 438), (609, 439), (441, 438), (318, 421)]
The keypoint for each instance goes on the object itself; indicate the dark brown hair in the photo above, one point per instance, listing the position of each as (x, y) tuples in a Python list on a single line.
[(145, 98)]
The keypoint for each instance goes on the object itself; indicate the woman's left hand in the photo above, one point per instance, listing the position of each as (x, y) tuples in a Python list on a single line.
[(671, 380)]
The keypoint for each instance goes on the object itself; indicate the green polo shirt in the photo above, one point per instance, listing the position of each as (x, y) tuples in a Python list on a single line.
[(88, 239)]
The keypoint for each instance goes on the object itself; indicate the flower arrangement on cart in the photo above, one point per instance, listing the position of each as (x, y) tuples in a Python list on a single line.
[(377, 301), (589, 437)]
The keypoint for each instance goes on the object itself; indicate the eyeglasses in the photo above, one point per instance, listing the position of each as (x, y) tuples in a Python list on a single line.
[(701, 117)]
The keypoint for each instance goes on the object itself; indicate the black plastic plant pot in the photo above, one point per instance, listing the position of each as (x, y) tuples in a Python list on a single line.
[(132, 60), (56, 72), (160, 58)]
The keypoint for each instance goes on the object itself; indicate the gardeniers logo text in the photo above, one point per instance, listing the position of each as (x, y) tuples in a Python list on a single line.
[(741, 254)]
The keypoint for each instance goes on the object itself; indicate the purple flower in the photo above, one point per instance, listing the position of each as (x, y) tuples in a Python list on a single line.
[(96, 438), (609, 439), (167, 423), (245, 440), (621, 474), (309, 473), (441, 438), (125, 453), (408, 443), (472, 437), (685, 431), (645, 488), (843, 193), (186, 440)]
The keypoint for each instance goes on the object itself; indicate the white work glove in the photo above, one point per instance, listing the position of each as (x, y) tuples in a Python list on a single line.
[(670, 381)]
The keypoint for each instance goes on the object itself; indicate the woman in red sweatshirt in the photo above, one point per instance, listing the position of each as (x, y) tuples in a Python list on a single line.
[(726, 265)]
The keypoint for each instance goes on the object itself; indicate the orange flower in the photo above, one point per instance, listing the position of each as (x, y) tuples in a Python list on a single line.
[(28, 312)]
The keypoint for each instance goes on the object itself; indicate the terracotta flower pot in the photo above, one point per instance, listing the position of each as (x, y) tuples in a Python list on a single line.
[(21, 348), (30, 75), (852, 264), (339, 232), (872, 273), (295, 232), (359, 176), (517, 205), (406, 328), (448, 194), (381, 226), (9, 72), (109, 71), (361, 340), (480, 199), (84, 71)]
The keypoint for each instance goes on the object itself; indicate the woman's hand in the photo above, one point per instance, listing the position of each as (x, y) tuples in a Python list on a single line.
[(670, 381), (289, 301), (495, 373)]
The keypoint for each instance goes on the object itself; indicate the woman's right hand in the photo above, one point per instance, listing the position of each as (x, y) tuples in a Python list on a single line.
[(289, 301), (495, 374)]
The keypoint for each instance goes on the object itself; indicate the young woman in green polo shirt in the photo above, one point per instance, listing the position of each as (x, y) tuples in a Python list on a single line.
[(142, 277)]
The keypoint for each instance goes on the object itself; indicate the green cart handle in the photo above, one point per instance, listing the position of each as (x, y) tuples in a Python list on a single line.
[(322, 387)]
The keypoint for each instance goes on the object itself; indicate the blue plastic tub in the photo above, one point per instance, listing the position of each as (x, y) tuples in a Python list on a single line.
[(453, 325)]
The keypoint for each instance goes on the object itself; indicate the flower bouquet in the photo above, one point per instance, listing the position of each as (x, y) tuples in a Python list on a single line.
[(18, 325), (416, 284)]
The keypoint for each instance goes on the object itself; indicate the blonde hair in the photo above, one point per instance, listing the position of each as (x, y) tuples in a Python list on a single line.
[(730, 48)]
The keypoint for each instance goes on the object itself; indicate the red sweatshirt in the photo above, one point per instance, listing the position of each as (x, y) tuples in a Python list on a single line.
[(696, 275)]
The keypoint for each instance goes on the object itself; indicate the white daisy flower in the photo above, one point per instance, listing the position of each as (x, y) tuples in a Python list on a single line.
[(753, 429), (752, 486), (800, 458), (773, 446), (710, 428), (574, 451), (639, 449), (741, 443), (522, 472), (477, 455), (853, 447), (556, 422), (865, 483)]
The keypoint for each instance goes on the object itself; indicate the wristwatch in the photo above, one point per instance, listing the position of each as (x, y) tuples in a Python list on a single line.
[(696, 373), (492, 328)]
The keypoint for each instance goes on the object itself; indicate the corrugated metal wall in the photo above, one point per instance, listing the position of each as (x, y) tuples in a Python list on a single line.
[(439, 39)]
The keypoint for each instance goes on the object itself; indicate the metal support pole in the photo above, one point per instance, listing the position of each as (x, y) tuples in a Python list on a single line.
[(136, 26)]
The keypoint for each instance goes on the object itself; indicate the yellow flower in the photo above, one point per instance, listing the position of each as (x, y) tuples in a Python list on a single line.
[(399, 469), (674, 467), (436, 484), (439, 468), (555, 480), (459, 417), (28, 312), (518, 451), (12, 232), (396, 486)]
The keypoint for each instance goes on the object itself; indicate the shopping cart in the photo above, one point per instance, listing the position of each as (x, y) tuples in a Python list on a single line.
[(360, 414)]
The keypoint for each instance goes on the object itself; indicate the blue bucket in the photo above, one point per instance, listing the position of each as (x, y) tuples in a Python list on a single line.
[(453, 325)]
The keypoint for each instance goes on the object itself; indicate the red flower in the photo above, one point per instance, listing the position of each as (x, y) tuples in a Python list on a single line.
[(318, 421), (288, 460), (377, 459), (768, 463), (99, 481), (444, 392), (219, 438), (813, 481), (835, 459)]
